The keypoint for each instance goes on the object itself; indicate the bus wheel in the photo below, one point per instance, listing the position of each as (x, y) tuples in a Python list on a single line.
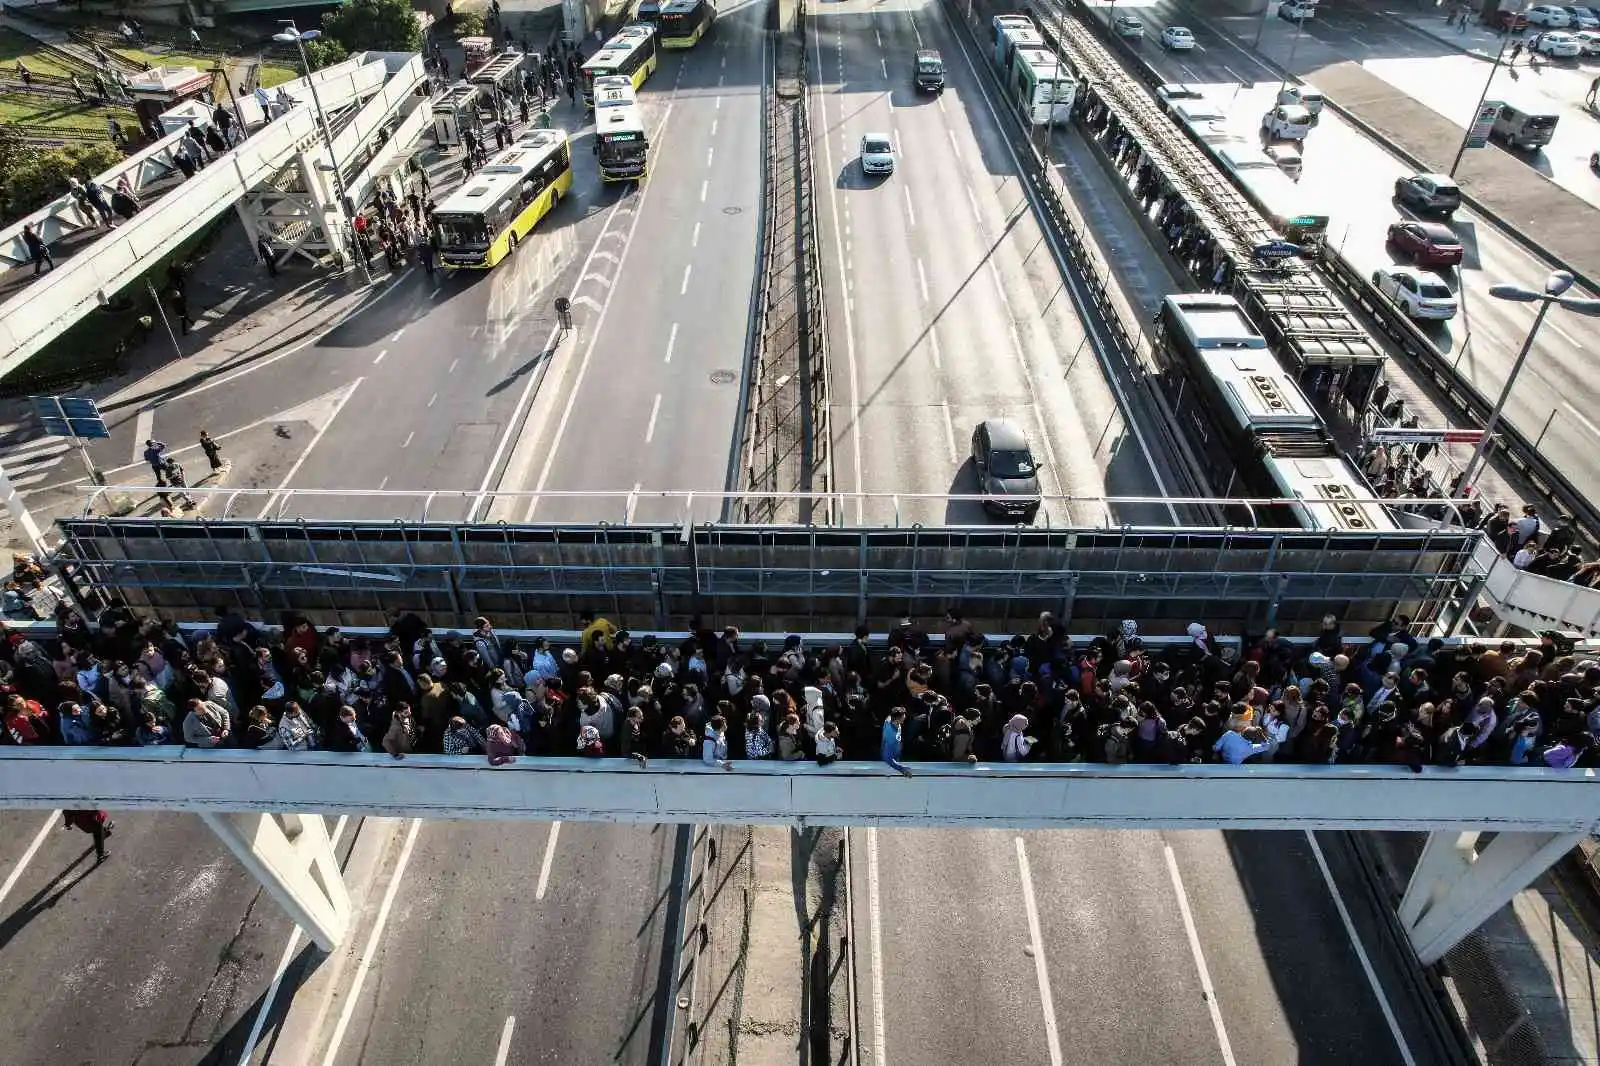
[(511, 243), (555, 198)]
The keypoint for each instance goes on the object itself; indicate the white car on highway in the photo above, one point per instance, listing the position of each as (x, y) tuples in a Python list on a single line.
[(1548, 15), (1177, 38), (1558, 44), (1421, 295), (1128, 26), (877, 154)]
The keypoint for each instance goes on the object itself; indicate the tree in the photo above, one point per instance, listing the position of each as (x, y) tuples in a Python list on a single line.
[(376, 25), (36, 176), (467, 24), (325, 52)]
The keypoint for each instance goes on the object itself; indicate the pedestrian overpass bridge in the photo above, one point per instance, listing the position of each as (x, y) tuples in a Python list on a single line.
[(265, 807), (278, 178)]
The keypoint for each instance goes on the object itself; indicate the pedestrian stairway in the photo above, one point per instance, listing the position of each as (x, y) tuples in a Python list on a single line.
[(27, 459)]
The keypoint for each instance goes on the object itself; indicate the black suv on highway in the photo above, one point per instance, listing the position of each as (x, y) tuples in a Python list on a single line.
[(930, 70)]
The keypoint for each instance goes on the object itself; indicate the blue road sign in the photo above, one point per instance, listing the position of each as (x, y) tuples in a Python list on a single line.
[(70, 416)]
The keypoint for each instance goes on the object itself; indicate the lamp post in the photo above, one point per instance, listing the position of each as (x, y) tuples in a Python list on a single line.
[(1555, 288), (1294, 45), (1487, 82), (293, 34)]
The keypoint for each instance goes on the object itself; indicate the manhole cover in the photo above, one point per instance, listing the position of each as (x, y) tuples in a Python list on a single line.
[(732, 210), (722, 377)]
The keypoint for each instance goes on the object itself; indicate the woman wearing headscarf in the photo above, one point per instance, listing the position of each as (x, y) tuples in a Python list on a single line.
[(1015, 744)]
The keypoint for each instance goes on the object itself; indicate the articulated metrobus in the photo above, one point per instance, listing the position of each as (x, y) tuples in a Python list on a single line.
[(684, 22), (481, 222), (1039, 85), (619, 137), (630, 54)]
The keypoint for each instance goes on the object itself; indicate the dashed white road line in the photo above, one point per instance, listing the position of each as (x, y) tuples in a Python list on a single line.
[(933, 345), (433, 399), (504, 1051), (714, 126), (1052, 1029), (453, 364), (409, 436), (710, 153), (549, 857), (879, 36), (973, 200), (955, 145), (1208, 992), (922, 281), (704, 186), (655, 410), (949, 433), (883, 66), (911, 211), (396, 334), (684, 288), (694, 238), (672, 340)]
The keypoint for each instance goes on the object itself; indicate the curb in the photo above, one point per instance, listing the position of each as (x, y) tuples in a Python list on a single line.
[(1490, 214)]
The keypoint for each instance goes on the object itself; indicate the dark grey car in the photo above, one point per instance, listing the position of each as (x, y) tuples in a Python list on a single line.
[(1008, 476), (1433, 194)]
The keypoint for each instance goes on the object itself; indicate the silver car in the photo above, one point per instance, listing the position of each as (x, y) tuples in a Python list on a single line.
[(877, 154)]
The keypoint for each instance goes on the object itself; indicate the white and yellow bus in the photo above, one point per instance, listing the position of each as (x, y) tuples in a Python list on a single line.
[(684, 22), (482, 222), (619, 137), (631, 54)]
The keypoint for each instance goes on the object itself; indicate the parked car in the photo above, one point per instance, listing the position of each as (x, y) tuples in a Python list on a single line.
[(1008, 476), (1549, 16), (1590, 39), (1128, 26), (1427, 244), (1177, 38), (1432, 194), (877, 154), (1583, 18), (1558, 44), (1305, 95), (1297, 10), (1510, 21), (1286, 122), (1421, 296)]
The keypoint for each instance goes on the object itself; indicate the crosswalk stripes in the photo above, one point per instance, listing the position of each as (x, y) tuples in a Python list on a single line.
[(27, 462)]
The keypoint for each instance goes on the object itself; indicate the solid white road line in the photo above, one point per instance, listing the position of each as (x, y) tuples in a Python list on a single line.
[(254, 1038), (1361, 953), (354, 995), (875, 919), (1052, 1030), (144, 427), (27, 856), (650, 430), (549, 855), (1206, 990), (672, 340), (505, 1034), (850, 360), (316, 438)]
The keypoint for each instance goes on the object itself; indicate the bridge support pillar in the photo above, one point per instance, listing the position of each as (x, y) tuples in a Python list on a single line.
[(292, 856), (1458, 884)]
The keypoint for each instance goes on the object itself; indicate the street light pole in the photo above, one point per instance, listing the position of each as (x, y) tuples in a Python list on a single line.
[(293, 33), (1487, 82), (1294, 45), (1555, 288), (1261, 27)]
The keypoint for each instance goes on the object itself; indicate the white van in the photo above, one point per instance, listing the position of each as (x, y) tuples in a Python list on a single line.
[(1286, 122), (1307, 97)]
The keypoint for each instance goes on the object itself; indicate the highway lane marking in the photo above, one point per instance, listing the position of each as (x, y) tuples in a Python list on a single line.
[(724, 64), (1233, 74), (718, 104), (918, 33), (875, 919), (283, 967), (910, 211), (511, 1019), (683, 289), (973, 200), (1563, 334), (384, 483), (883, 65), (1575, 413), (1052, 1029), (855, 432), (709, 156), (694, 238), (1361, 952), (315, 439), (933, 345), (922, 281), (941, 103), (599, 324), (672, 340), (453, 364), (1193, 934), (396, 334), (633, 503), (550, 850), (704, 186), (407, 444), (371, 949), (720, 78), (380, 356), (714, 126), (999, 288), (875, 32), (954, 145), (144, 427), (655, 409), (27, 856), (899, 146), (949, 432), (432, 399)]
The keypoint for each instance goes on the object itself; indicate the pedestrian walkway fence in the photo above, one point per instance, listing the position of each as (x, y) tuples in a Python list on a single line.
[(774, 578)]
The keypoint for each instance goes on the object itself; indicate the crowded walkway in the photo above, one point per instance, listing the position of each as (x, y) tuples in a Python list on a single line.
[(954, 695)]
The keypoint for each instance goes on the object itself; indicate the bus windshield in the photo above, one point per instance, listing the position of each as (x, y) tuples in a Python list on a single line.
[(622, 146), (462, 231)]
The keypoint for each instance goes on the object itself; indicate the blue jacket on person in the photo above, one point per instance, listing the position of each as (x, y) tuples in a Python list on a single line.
[(891, 745)]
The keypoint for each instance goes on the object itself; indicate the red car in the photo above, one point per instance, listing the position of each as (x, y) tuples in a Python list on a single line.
[(1427, 244), (1515, 21)]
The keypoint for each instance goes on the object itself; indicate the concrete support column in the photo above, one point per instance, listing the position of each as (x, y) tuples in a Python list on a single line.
[(1457, 885), (325, 198), (292, 856)]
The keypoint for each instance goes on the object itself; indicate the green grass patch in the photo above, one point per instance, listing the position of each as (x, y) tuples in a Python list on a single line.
[(63, 114), (165, 59), (15, 46), (270, 75)]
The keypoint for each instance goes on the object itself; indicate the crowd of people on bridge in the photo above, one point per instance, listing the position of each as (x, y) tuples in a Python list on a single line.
[(952, 696)]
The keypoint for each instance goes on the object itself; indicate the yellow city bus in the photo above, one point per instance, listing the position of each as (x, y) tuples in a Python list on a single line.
[(684, 22), (631, 53), (481, 222)]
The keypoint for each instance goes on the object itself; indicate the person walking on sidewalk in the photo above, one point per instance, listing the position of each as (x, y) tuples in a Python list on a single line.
[(97, 824), (155, 453), (269, 258), (212, 449), (1594, 88), (175, 479), (180, 307), (37, 250)]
